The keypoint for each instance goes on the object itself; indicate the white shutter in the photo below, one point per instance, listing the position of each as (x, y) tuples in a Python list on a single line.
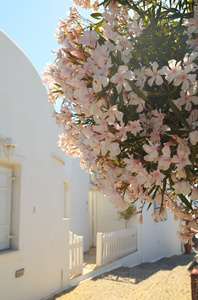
[(5, 207)]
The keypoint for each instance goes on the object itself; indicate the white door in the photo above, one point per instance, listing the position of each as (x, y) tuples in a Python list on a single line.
[(5, 207), (92, 218)]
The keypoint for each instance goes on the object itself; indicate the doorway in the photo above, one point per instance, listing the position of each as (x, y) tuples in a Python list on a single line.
[(92, 217)]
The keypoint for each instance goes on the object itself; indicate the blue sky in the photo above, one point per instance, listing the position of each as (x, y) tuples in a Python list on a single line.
[(31, 25)]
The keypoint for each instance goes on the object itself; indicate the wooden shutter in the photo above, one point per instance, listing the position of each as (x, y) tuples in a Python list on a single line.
[(5, 207)]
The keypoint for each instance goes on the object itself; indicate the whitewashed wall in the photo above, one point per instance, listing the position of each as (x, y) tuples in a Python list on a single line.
[(159, 239), (108, 218), (40, 246)]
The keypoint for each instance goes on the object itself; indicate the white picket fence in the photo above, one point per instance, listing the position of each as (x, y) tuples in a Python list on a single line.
[(75, 254), (114, 245)]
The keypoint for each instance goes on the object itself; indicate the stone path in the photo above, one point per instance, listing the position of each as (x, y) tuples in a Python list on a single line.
[(166, 279)]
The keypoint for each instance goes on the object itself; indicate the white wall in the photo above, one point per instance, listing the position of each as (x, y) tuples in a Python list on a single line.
[(107, 216), (158, 239), (41, 234)]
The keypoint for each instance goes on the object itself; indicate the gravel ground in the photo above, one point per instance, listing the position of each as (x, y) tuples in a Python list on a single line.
[(165, 279)]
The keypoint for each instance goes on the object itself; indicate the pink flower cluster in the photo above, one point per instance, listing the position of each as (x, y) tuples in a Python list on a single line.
[(109, 123)]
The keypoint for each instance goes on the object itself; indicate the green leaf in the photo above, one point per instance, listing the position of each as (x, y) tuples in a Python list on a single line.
[(178, 132), (151, 190), (185, 201), (114, 59), (119, 57), (96, 16), (139, 11), (171, 181), (112, 41), (159, 11), (157, 187), (149, 206), (137, 90), (121, 2), (57, 84), (127, 2), (193, 158), (178, 113), (101, 40), (121, 97), (114, 99), (57, 91), (163, 191), (98, 25), (104, 2)]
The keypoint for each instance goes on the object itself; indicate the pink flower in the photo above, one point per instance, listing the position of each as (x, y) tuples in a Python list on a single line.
[(151, 150), (156, 216), (184, 78), (134, 127), (100, 56), (173, 71), (188, 59), (102, 125), (181, 173), (194, 137), (193, 118), (119, 78), (155, 75), (113, 149), (136, 28), (130, 162), (157, 177), (99, 147), (166, 150), (136, 100), (194, 195), (143, 177), (130, 197), (122, 129), (157, 119), (89, 38), (140, 76), (192, 24), (164, 163), (182, 187), (181, 159), (187, 100), (155, 136), (98, 82), (112, 114)]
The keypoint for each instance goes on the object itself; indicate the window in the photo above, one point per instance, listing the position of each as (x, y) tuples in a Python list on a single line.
[(67, 199), (9, 206), (5, 207)]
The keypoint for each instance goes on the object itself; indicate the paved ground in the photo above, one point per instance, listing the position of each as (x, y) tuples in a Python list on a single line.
[(166, 279)]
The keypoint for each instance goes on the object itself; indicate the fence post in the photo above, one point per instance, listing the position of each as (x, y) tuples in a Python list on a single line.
[(99, 249)]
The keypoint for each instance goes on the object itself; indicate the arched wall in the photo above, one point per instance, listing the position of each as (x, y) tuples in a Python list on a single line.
[(40, 246)]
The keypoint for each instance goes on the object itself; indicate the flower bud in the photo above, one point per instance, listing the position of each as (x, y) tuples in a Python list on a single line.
[(181, 173), (194, 137), (182, 187), (140, 219), (194, 195)]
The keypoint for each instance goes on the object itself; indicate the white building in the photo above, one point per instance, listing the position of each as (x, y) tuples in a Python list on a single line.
[(33, 234), (44, 194)]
